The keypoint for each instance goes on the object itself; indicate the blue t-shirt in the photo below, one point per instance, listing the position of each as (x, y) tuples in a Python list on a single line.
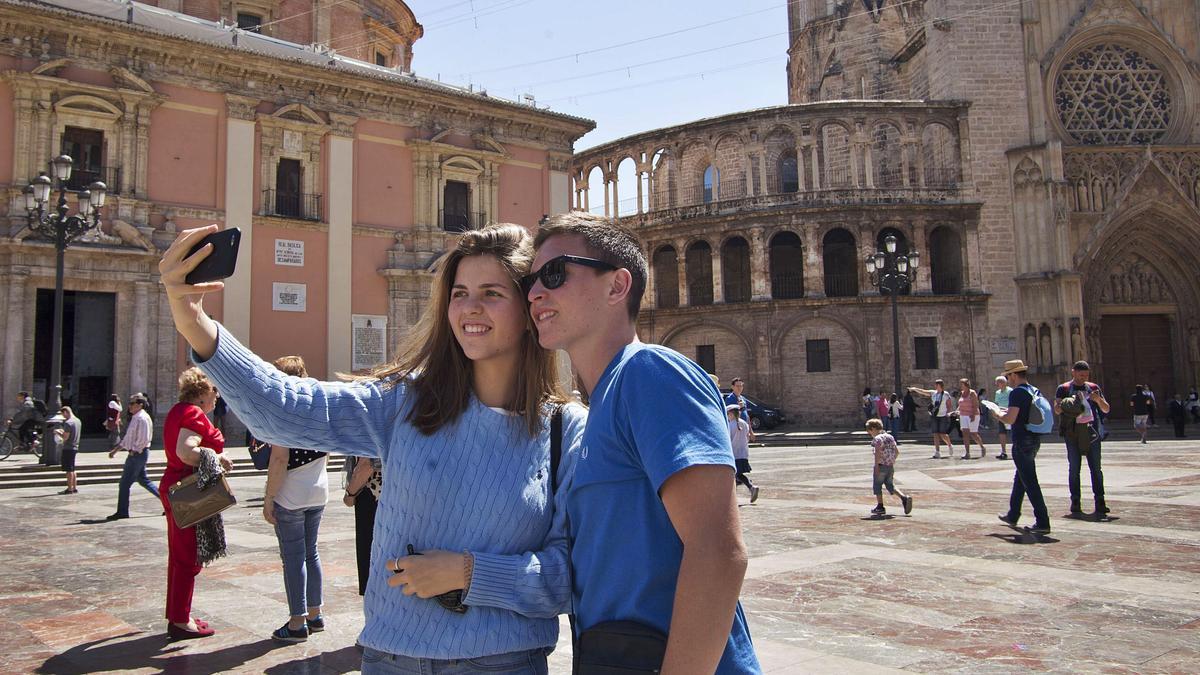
[(653, 413), (1021, 398), (732, 398)]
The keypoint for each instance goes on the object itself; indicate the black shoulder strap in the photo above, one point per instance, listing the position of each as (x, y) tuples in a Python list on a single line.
[(555, 447)]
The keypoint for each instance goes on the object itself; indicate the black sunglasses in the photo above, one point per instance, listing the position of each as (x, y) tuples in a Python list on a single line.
[(554, 272)]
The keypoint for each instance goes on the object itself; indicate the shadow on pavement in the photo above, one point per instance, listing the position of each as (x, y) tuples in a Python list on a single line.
[(1025, 538), (151, 651), (344, 660)]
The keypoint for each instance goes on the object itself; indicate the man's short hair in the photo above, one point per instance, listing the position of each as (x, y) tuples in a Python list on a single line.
[(735, 381), (1081, 365), (606, 240)]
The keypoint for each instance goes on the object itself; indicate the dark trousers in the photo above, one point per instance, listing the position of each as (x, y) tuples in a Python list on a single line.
[(134, 471), (1075, 462), (910, 420), (1179, 423), (1025, 480), (365, 506)]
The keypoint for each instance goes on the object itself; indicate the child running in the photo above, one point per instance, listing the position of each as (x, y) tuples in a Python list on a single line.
[(886, 453), (739, 436)]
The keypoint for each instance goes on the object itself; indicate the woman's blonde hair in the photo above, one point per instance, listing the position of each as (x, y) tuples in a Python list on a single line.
[(432, 357), (193, 384), (292, 365)]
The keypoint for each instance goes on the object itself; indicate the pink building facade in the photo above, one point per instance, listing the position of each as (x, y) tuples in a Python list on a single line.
[(348, 176)]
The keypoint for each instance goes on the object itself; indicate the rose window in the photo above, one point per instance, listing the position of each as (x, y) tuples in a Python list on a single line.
[(1112, 95)]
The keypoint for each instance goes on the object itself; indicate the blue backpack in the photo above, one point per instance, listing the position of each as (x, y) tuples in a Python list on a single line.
[(1041, 413)]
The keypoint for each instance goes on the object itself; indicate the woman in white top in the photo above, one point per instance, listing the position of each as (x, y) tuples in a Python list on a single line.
[(940, 414), (297, 489)]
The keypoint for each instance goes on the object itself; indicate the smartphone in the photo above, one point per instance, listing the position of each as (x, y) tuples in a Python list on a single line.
[(219, 264)]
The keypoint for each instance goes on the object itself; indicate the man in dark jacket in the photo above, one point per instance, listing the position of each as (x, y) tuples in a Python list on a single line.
[(1177, 413), (1082, 433)]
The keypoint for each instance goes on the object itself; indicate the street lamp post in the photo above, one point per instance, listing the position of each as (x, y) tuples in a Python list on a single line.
[(63, 229), (893, 272)]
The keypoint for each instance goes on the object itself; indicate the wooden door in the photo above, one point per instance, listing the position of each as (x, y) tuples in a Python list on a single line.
[(1136, 350)]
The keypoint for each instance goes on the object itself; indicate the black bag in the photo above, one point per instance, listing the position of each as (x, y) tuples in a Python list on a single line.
[(617, 647), (260, 454)]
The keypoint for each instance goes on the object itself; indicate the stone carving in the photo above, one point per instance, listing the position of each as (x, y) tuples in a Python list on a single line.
[(97, 236), (1135, 283), (1028, 174), (1077, 350), (1110, 94), (1096, 178), (128, 234)]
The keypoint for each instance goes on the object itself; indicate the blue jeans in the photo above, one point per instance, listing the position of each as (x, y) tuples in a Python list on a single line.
[(532, 662), (1025, 480), (297, 534), (892, 425), (1075, 462), (134, 471)]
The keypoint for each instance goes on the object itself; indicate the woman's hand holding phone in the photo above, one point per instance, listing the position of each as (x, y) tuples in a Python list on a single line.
[(187, 300)]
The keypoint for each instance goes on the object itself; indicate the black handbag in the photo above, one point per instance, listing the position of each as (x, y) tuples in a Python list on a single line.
[(615, 647)]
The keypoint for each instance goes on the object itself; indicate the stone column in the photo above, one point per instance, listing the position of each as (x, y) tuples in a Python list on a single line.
[(650, 297), (14, 334), (616, 201), (868, 164), (762, 173), (866, 247), (919, 244), (681, 266), (239, 209), (340, 204), (816, 166), (760, 272), (718, 277), (814, 268), (138, 355), (640, 194)]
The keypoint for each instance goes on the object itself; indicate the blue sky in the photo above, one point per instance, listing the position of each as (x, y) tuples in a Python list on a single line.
[(559, 52)]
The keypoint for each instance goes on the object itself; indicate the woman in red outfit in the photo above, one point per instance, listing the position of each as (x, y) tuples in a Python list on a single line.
[(187, 431)]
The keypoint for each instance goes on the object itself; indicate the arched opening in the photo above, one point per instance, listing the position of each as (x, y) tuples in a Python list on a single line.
[(901, 249), (625, 188), (789, 172), (596, 189), (841, 264), (711, 180), (945, 261), (940, 156), (666, 277), (662, 170), (834, 150), (735, 269), (699, 274), (886, 155), (787, 266)]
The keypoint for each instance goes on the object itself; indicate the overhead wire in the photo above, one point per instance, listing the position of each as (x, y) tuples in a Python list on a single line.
[(474, 14)]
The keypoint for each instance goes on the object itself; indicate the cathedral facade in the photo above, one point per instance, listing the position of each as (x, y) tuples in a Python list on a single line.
[(302, 123), (1042, 157)]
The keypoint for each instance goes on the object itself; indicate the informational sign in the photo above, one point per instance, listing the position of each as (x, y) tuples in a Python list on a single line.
[(289, 252), (289, 297), (369, 340), (1003, 349)]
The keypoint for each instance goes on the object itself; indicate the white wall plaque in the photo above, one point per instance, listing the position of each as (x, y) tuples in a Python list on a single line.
[(289, 297), (293, 142), (289, 252), (369, 340)]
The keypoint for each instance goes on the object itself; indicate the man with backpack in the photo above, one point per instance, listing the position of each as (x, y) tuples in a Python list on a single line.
[(1030, 415), (1082, 433)]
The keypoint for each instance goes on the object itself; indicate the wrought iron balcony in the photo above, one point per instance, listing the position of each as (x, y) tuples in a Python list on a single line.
[(461, 222), (296, 205)]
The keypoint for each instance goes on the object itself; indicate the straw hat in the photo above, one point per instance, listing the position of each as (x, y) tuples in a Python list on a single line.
[(1014, 366)]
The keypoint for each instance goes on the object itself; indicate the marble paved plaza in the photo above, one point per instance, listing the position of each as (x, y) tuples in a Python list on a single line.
[(828, 589)]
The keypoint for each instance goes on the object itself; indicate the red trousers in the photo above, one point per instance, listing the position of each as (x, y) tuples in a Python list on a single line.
[(182, 567)]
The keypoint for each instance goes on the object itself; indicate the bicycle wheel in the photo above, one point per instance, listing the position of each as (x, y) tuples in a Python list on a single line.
[(6, 447), (36, 448)]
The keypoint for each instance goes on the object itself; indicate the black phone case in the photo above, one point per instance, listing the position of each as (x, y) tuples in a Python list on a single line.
[(219, 264)]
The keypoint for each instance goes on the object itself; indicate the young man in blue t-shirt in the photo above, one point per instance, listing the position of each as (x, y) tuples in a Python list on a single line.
[(1025, 445), (654, 523)]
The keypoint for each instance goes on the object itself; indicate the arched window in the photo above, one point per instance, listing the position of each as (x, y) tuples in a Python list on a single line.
[(1113, 95), (833, 145), (787, 266), (789, 172), (886, 154), (945, 261), (939, 152), (699, 274), (666, 277), (735, 270), (711, 178), (901, 249), (841, 264)]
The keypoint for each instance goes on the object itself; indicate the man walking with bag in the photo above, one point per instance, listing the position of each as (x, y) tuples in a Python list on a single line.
[(137, 443), (1026, 441), (1083, 427), (657, 552)]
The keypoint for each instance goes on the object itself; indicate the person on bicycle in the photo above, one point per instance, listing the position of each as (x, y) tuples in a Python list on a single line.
[(26, 418)]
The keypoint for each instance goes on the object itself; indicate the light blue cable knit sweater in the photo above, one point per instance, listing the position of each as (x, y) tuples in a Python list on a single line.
[(480, 484)]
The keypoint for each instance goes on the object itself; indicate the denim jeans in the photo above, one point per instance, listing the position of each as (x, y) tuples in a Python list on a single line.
[(1074, 463), (532, 662), (297, 534), (892, 425), (134, 471), (1025, 480)]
